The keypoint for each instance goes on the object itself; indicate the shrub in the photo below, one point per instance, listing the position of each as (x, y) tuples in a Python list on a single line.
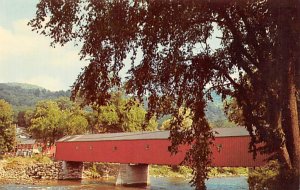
[(170, 171), (42, 159), (228, 171), (97, 170), (17, 163), (270, 177), (186, 171)]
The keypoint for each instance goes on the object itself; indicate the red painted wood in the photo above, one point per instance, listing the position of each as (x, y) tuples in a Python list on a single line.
[(125, 151), (233, 152)]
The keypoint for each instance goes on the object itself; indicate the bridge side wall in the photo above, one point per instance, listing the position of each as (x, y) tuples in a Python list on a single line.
[(121, 151), (227, 151), (234, 152)]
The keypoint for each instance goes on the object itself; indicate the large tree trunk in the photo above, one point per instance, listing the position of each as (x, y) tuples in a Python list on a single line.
[(294, 135), (288, 50), (290, 125)]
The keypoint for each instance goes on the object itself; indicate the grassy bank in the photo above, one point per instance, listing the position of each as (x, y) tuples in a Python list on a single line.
[(26, 160), (228, 171), (186, 172), (167, 171), (98, 170), (15, 163)]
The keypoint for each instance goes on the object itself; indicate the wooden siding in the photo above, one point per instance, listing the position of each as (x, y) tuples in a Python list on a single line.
[(227, 151)]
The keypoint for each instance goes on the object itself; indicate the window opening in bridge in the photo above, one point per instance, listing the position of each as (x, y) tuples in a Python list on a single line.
[(115, 148), (219, 147), (147, 147)]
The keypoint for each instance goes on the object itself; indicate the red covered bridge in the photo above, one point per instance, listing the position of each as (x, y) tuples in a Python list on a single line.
[(230, 148)]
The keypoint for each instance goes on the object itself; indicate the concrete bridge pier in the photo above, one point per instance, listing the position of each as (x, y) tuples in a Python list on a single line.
[(71, 170), (133, 174)]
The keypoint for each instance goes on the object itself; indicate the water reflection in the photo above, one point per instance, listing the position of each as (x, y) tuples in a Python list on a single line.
[(228, 183)]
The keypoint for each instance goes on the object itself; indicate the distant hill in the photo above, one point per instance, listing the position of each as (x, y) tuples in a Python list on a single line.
[(23, 85), (214, 113), (23, 96)]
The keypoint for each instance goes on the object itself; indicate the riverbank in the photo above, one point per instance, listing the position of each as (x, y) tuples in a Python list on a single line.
[(186, 172), (16, 169), (42, 170)]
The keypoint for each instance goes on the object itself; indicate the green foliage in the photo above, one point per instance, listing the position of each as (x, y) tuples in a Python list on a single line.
[(256, 62), (185, 120), (121, 115), (228, 171), (52, 120), (97, 170), (186, 172), (234, 112), (15, 163), (21, 119), (167, 171), (39, 158), (215, 113), (270, 177), (23, 85), (24, 96), (92, 172), (7, 129)]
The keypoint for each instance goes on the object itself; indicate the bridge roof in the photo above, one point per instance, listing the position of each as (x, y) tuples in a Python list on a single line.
[(117, 136), (147, 135)]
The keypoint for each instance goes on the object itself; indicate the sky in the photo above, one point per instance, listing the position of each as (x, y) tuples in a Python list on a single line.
[(26, 57)]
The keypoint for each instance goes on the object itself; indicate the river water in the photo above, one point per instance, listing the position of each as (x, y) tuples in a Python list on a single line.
[(225, 183)]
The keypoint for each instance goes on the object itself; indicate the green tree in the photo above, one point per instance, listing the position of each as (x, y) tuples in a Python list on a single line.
[(7, 129), (234, 112), (257, 63), (27, 117), (184, 115), (74, 118), (46, 122), (52, 120), (122, 114), (21, 119)]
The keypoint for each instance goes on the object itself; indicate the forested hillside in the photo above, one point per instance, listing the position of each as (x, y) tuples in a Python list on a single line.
[(23, 96), (214, 113)]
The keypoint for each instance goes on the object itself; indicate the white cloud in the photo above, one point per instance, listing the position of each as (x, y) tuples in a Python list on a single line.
[(18, 41), (23, 41), (27, 57)]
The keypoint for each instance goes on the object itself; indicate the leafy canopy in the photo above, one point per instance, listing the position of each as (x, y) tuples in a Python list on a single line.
[(121, 115), (52, 120), (7, 129), (175, 65)]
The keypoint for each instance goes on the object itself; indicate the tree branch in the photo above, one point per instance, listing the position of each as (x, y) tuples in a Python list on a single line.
[(237, 37), (250, 37)]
